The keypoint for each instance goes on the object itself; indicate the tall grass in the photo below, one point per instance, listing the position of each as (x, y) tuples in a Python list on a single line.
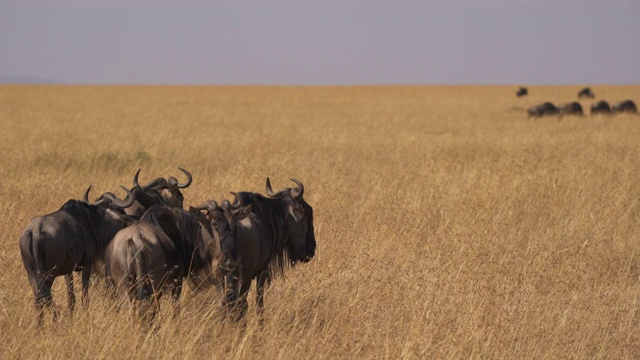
[(448, 224)]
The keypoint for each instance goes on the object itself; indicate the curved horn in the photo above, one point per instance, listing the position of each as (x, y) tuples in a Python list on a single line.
[(277, 194), (236, 199), (152, 184), (297, 193), (189, 179), (229, 206), (117, 202), (86, 195), (135, 179), (210, 206)]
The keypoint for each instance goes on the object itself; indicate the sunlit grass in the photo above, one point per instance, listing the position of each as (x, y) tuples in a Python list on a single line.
[(448, 224)]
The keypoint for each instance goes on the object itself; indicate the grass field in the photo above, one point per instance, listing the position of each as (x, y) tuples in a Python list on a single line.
[(448, 224)]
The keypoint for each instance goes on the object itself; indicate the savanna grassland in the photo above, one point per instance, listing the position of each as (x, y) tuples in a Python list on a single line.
[(448, 224)]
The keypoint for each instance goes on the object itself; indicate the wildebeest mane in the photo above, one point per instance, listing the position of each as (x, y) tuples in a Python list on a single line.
[(185, 233), (272, 213), (146, 198), (90, 218)]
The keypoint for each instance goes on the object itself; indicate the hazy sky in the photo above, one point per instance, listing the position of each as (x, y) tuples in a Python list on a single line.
[(323, 42)]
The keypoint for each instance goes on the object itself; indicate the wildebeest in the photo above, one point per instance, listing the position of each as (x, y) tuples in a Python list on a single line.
[(158, 191), (153, 255), (522, 92), (67, 240), (586, 93), (279, 235), (600, 107), (544, 109), (624, 106), (572, 108)]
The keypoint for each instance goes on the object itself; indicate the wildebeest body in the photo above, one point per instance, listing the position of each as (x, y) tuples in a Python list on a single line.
[(522, 92), (586, 93), (280, 234), (544, 109), (154, 254), (70, 239), (572, 108), (600, 107), (627, 106)]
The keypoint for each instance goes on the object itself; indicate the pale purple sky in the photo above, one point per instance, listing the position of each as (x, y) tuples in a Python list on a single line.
[(322, 42)]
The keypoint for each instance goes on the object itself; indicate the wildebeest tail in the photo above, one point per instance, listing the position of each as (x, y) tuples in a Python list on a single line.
[(137, 277), (33, 259)]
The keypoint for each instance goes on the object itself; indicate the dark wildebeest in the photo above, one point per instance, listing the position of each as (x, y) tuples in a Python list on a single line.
[(153, 255), (280, 234), (158, 191), (624, 106), (544, 109), (522, 92), (70, 239), (601, 107), (586, 93), (572, 108)]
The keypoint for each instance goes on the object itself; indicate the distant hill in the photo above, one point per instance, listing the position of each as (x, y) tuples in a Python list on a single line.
[(20, 79)]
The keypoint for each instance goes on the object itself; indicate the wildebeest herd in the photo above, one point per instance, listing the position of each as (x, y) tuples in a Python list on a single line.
[(147, 244), (574, 107)]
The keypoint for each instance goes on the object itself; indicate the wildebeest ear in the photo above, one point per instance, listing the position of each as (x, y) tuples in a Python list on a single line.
[(242, 212), (296, 211)]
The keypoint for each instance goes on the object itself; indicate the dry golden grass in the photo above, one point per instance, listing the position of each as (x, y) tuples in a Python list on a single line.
[(448, 224)]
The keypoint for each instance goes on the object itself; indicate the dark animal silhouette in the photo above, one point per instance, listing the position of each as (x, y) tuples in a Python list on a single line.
[(153, 255), (627, 106), (572, 108), (522, 92), (277, 235), (600, 107), (586, 93), (70, 239), (544, 109)]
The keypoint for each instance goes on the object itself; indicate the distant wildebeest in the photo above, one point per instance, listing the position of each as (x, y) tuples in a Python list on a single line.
[(280, 235), (70, 239), (522, 92), (158, 191), (624, 106), (600, 107), (544, 109), (586, 93), (572, 108), (153, 255)]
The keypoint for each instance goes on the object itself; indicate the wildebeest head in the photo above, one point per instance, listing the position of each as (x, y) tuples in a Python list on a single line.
[(167, 190), (302, 243), (224, 220)]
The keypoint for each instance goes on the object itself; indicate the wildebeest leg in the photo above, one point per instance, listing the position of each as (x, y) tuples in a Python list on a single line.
[(86, 276), (38, 304), (231, 289), (231, 295), (71, 296), (242, 304), (44, 298), (148, 298), (263, 279), (175, 295)]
